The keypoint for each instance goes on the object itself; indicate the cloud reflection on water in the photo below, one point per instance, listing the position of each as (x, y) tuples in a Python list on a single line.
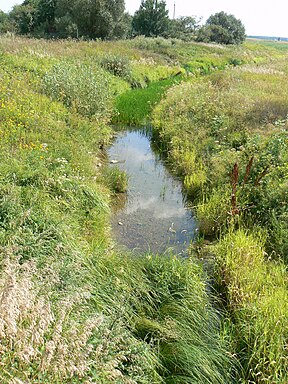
[(158, 209), (154, 216)]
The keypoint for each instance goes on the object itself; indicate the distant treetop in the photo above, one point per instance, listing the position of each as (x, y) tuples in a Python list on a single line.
[(222, 28), (151, 19), (106, 19)]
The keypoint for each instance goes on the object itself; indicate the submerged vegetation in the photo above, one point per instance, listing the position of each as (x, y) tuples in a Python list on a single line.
[(75, 309)]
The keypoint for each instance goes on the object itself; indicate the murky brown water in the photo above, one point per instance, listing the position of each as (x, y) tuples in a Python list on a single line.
[(152, 216)]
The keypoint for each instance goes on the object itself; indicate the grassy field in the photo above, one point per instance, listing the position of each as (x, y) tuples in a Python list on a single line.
[(232, 155), (73, 308)]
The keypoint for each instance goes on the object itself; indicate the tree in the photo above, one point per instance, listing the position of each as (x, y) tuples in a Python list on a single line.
[(25, 16), (123, 28), (34, 16), (5, 25), (151, 19), (72, 18), (222, 28), (183, 27), (90, 18), (46, 15)]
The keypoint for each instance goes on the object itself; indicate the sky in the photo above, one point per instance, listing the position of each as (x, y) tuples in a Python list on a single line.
[(260, 17)]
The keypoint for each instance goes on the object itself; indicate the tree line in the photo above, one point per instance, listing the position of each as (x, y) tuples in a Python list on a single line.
[(107, 19)]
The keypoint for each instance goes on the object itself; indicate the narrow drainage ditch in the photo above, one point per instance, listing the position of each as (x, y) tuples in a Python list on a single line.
[(153, 215)]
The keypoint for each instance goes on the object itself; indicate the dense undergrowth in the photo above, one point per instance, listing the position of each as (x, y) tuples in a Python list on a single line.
[(227, 135), (73, 309), (256, 295), (227, 118)]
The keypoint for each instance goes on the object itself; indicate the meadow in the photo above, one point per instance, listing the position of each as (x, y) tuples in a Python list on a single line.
[(232, 155), (75, 309)]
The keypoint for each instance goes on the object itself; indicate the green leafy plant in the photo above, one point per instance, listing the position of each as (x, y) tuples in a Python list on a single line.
[(116, 179), (117, 65), (79, 87)]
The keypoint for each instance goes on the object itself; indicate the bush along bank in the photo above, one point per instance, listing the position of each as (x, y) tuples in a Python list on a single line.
[(227, 136), (73, 308)]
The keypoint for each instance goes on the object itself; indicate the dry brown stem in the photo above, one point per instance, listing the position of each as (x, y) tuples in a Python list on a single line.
[(248, 170)]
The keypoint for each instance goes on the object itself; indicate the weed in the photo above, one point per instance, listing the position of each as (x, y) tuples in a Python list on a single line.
[(72, 309), (79, 88), (215, 124), (135, 106), (117, 65), (116, 179), (255, 289)]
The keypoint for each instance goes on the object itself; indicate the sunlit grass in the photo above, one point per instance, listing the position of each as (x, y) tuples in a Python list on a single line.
[(257, 298), (135, 106), (73, 309), (239, 116), (76, 310)]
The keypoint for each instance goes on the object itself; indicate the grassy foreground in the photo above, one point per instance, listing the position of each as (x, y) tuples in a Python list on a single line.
[(72, 308)]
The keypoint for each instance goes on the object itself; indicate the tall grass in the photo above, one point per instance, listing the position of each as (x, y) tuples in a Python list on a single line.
[(165, 304), (76, 86), (75, 310), (218, 135), (257, 297), (72, 309), (237, 120), (184, 330)]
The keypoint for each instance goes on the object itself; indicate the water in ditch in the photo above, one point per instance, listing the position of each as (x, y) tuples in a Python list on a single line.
[(152, 216)]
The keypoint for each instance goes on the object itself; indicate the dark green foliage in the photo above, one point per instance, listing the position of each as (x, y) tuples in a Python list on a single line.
[(89, 19), (46, 15), (123, 28), (4, 22), (183, 28), (151, 19), (72, 18), (34, 16), (25, 17), (222, 28)]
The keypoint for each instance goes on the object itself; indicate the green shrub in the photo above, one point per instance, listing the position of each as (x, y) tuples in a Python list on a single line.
[(151, 43), (117, 65), (79, 88)]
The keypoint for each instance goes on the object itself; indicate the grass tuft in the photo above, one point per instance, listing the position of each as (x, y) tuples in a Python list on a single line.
[(257, 299)]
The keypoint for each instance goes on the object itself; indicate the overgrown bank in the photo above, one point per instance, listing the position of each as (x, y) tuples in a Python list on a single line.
[(73, 308), (227, 136)]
